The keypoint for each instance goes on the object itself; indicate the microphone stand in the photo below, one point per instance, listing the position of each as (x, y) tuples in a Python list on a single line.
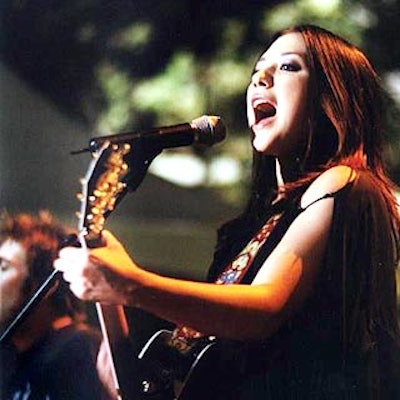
[(44, 288)]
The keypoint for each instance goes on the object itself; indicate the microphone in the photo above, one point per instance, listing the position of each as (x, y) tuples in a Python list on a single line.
[(203, 131)]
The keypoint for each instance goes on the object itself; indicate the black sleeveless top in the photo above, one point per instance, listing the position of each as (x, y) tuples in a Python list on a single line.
[(344, 342)]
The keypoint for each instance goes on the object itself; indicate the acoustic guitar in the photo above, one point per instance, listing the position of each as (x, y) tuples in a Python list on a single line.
[(170, 366)]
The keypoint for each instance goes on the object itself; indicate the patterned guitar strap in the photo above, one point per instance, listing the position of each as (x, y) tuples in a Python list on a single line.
[(233, 273)]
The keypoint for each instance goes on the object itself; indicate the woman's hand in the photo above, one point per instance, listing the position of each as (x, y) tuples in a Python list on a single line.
[(105, 274)]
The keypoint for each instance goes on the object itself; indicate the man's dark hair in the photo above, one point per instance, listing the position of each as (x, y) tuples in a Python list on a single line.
[(41, 237)]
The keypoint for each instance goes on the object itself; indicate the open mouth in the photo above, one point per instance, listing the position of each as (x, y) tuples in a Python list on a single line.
[(263, 111)]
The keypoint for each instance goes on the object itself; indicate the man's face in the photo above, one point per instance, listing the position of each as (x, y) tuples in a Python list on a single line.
[(13, 273)]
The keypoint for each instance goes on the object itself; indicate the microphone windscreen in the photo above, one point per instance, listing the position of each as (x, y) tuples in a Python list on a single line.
[(209, 130)]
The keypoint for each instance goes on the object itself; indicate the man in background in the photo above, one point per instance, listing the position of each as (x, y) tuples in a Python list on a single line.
[(52, 354)]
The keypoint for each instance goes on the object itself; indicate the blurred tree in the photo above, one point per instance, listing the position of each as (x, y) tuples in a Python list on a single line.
[(118, 64), (58, 46)]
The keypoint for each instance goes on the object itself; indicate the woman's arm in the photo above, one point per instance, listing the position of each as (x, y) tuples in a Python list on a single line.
[(234, 311)]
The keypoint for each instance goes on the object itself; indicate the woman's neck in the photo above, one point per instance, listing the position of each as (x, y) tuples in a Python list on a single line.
[(287, 171)]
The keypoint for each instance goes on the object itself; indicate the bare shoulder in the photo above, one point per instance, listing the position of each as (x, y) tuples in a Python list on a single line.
[(329, 181)]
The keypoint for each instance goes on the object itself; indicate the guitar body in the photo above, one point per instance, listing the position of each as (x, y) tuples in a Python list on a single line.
[(177, 370)]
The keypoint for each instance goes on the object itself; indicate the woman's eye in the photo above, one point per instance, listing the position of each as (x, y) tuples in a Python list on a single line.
[(290, 67), (4, 265)]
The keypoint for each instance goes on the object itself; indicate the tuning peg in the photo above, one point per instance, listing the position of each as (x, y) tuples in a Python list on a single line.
[(121, 186), (94, 211), (97, 194), (111, 206), (95, 229)]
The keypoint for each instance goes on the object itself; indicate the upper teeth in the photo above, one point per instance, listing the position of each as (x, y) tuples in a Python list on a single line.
[(258, 102)]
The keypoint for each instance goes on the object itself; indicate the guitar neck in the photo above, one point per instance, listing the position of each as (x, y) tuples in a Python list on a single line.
[(112, 318), (114, 327), (113, 323)]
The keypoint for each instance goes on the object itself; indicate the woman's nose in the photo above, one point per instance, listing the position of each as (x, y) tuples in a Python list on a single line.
[(262, 78)]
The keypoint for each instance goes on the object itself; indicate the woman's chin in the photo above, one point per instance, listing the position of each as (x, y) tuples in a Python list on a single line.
[(261, 146)]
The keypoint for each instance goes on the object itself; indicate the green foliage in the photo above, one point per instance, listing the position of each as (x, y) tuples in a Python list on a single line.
[(348, 20), (191, 84), (116, 87), (123, 65), (176, 94)]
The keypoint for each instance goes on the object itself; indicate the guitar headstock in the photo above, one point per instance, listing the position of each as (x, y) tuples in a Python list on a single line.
[(103, 187), (116, 168)]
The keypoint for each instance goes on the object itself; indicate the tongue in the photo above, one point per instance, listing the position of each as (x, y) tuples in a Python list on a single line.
[(264, 110)]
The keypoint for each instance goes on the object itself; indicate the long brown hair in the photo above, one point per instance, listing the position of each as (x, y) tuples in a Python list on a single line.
[(344, 127), (345, 117)]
